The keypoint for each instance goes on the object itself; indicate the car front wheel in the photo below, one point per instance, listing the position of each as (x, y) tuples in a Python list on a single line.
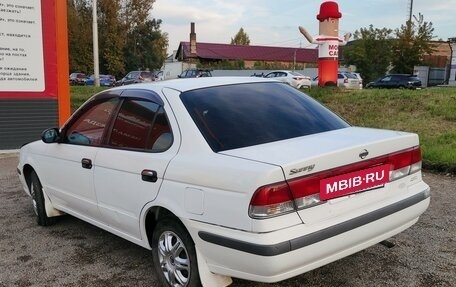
[(36, 192), (174, 255)]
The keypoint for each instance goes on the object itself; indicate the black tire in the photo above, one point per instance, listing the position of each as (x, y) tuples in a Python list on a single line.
[(36, 192), (174, 261)]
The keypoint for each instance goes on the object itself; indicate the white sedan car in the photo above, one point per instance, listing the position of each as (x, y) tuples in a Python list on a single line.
[(226, 177), (294, 79)]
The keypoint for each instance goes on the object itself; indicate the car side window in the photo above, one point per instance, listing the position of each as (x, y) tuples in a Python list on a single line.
[(386, 79), (141, 125), (89, 127)]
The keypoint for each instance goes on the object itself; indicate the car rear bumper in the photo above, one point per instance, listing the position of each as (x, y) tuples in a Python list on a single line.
[(279, 255)]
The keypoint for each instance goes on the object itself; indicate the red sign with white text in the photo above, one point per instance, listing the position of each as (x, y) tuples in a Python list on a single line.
[(28, 49), (34, 60), (354, 182)]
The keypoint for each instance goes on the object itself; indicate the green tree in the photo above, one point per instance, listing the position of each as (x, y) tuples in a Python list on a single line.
[(370, 52), (146, 46), (241, 38), (128, 38), (413, 41), (135, 12), (80, 36), (111, 38)]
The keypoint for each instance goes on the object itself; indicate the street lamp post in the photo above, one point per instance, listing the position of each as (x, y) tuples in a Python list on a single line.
[(96, 69)]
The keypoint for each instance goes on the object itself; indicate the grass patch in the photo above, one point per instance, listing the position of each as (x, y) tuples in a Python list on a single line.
[(80, 94), (431, 113)]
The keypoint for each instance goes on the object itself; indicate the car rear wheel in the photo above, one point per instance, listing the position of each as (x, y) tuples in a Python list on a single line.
[(36, 192), (174, 255)]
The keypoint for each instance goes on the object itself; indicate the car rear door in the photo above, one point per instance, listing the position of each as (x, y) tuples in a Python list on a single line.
[(130, 169)]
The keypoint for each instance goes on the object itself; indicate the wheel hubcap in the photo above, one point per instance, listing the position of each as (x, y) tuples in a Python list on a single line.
[(33, 193), (173, 258)]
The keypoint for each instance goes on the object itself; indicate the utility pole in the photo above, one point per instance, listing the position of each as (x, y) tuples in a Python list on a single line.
[(410, 11), (96, 68)]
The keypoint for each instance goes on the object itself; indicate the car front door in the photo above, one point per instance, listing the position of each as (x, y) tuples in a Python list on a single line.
[(385, 82), (131, 78), (130, 169), (68, 165)]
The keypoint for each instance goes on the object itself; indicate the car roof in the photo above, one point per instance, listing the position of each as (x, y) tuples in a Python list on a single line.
[(197, 69), (188, 84)]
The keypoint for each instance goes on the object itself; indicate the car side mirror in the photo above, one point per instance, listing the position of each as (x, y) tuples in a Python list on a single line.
[(51, 135)]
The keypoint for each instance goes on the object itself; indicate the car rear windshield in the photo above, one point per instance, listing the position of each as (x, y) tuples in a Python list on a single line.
[(350, 76), (242, 115)]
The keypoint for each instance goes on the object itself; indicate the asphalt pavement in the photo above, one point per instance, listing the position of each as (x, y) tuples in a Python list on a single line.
[(75, 253)]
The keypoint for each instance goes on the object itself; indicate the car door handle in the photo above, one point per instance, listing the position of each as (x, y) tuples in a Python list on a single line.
[(149, 175), (86, 163)]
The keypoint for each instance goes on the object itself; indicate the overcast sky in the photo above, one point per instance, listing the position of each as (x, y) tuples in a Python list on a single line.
[(275, 22)]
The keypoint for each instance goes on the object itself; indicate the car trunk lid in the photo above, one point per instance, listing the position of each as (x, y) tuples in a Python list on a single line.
[(340, 159), (318, 152)]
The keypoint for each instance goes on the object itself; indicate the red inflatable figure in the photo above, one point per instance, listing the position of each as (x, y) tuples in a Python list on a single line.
[(328, 43)]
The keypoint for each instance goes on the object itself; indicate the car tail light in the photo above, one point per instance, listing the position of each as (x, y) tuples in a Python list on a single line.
[(141, 78), (346, 81), (271, 200), (304, 192), (404, 163), (297, 78)]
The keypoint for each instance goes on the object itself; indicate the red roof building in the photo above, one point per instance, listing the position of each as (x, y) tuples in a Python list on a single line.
[(210, 52), (250, 55)]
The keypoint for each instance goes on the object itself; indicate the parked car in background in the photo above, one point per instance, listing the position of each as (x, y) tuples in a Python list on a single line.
[(159, 76), (226, 177), (358, 75), (105, 80), (396, 81), (195, 73), (294, 79), (135, 77), (78, 79), (345, 80), (261, 75)]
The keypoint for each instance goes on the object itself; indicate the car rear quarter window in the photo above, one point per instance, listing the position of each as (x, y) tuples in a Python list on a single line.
[(236, 116)]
